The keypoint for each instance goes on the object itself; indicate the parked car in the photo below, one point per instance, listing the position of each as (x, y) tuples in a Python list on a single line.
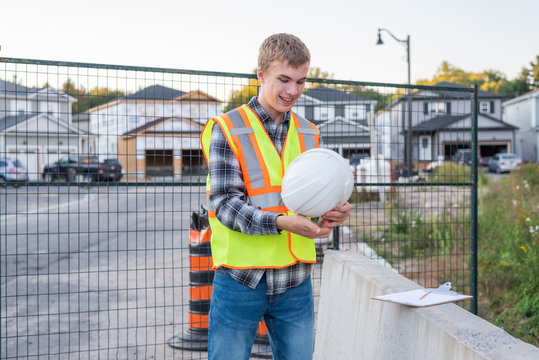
[(110, 170), (464, 157), (70, 167), (12, 171), (504, 162)]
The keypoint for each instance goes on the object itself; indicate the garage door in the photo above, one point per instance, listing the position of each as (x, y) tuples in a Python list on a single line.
[(159, 162), (490, 149)]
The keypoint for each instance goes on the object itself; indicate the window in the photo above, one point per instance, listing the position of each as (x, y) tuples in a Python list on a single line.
[(492, 107), (424, 142), (309, 112), (484, 107), (324, 113), (435, 108), (339, 110)]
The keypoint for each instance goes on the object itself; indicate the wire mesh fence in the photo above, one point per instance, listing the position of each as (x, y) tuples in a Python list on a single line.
[(102, 170)]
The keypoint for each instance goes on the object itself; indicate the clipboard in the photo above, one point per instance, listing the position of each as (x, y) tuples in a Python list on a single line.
[(424, 297)]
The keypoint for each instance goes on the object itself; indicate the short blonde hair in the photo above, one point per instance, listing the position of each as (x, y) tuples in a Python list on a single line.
[(283, 47)]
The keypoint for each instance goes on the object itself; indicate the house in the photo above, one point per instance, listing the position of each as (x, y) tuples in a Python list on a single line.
[(441, 123), (119, 118), (343, 118), (36, 126), (523, 111), (162, 147)]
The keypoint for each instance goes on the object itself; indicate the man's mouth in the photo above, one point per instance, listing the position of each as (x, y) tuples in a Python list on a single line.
[(286, 100)]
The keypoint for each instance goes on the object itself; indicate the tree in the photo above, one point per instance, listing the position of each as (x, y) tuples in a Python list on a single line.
[(87, 100), (488, 80), (242, 96)]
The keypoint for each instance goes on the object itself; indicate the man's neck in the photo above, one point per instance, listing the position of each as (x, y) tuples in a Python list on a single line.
[(276, 116)]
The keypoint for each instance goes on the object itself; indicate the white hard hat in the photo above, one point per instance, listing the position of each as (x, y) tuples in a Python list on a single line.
[(317, 181)]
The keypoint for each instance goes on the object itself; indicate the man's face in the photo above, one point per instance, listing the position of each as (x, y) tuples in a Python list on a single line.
[(281, 87)]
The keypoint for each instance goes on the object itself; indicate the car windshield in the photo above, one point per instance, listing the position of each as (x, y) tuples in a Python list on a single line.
[(508, 156)]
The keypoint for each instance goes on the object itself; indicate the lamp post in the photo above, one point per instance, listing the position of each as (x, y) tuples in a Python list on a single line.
[(408, 139)]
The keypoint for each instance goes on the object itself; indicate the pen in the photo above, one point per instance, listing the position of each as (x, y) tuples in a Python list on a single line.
[(425, 294)]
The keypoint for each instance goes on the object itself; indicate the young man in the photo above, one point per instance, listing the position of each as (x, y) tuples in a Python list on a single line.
[(263, 255)]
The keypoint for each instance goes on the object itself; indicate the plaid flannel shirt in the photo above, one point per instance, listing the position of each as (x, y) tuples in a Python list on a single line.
[(228, 197)]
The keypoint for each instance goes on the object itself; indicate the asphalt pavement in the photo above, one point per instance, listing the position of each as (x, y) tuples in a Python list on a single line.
[(94, 272)]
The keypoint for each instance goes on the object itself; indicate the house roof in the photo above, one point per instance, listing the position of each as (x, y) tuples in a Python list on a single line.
[(342, 127), (529, 95), (9, 121), (157, 121), (443, 121), (326, 94), (437, 123), (155, 92), (12, 88), (31, 123), (462, 94), (15, 90)]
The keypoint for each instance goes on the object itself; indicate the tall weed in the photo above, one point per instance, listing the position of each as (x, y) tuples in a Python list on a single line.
[(508, 235)]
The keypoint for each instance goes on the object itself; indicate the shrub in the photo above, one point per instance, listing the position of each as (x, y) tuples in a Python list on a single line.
[(451, 173)]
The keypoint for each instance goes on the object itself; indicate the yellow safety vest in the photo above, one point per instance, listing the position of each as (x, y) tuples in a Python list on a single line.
[(263, 171)]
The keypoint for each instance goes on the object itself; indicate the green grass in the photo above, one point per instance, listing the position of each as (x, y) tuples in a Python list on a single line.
[(508, 235)]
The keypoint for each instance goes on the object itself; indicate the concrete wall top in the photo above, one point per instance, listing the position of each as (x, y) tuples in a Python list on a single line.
[(351, 325)]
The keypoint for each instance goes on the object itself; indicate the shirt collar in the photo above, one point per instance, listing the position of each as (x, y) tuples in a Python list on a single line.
[(262, 114)]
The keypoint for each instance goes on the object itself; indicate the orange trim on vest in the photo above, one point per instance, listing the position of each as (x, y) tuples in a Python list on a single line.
[(211, 213), (277, 209), (300, 135), (257, 267), (261, 191)]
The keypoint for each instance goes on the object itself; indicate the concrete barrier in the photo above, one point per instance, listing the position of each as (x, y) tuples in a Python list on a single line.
[(352, 326)]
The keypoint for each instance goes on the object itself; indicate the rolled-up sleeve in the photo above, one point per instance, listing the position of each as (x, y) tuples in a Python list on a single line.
[(228, 195)]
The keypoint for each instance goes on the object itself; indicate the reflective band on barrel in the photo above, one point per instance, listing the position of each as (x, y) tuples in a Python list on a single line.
[(200, 263), (200, 292), (202, 236), (199, 321)]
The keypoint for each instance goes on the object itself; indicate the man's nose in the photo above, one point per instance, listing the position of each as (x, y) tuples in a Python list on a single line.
[(293, 90)]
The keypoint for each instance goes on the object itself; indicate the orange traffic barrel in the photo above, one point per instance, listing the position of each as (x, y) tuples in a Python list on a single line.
[(195, 337), (261, 346)]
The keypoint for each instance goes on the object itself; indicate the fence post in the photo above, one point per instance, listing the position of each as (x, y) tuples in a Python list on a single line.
[(473, 209)]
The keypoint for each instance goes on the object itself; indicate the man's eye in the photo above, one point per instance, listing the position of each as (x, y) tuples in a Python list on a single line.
[(284, 80)]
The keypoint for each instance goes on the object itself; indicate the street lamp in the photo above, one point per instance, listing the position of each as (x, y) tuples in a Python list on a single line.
[(408, 141)]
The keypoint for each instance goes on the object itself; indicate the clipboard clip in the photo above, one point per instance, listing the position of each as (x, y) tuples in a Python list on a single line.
[(444, 289)]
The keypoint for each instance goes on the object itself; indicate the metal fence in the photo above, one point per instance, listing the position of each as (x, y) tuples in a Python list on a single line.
[(102, 170)]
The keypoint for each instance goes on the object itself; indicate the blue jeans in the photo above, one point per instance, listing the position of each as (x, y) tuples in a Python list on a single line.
[(236, 311)]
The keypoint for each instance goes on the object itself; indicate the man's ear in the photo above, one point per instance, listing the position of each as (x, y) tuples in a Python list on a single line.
[(260, 75)]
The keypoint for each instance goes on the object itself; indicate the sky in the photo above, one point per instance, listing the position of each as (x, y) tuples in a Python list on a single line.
[(474, 35)]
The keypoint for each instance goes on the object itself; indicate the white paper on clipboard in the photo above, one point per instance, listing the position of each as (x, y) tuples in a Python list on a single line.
[(415, 298)]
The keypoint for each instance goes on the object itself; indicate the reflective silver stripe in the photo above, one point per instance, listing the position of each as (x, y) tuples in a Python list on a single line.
[(235, 118), (307, 131), (242, 131), (266, 200), (254, 169)]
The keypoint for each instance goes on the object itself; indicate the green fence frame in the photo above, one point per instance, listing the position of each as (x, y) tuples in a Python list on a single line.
[(19, 202)]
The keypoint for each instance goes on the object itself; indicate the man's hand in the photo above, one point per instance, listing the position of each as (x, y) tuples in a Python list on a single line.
[(336, 216), (299, 224)]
